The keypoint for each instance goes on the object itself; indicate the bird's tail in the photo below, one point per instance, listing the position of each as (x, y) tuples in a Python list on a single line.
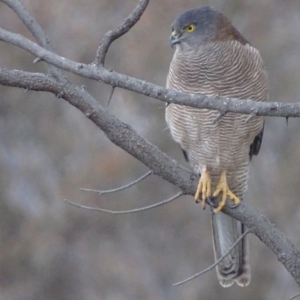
[(235, 266)]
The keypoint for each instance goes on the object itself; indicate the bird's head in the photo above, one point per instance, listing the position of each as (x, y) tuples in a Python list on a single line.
[(198, 26)]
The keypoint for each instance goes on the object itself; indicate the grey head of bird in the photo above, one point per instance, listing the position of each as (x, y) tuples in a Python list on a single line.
[(202, 25)]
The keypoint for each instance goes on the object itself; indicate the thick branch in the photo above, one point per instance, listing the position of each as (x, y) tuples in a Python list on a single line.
[(118, 132), (28, 80), (162, 165), (142, 87), (123, 136)]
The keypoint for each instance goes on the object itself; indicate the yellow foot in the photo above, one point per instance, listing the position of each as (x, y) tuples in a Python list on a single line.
[(204, 188), (226, 192)]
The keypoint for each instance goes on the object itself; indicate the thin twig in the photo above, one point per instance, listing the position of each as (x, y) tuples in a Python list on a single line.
[(126, 186), (249, 117), (119, 212), (37, 31), (36, 60), (110, 95), (220, 115), (294, 297), (28, 20), (216, 263), (123, 28)]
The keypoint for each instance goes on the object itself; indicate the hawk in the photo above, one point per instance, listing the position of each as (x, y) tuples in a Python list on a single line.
[(212, 58)]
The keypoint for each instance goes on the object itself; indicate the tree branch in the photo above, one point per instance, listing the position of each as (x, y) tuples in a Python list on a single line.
[(294, 297), (100, 73), (125, 137), (131, 211), (118, 189), (162, 165), (29, 22), (34, 27), (114, 34)]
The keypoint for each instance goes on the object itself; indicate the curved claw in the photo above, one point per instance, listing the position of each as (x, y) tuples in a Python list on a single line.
[(234, 205), (203, 188), (210, 202), (226, 193)]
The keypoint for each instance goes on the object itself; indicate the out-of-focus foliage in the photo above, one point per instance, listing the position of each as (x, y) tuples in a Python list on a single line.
[(48, 150)]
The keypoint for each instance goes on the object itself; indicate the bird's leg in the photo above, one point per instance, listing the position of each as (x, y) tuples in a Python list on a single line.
[(226, 192), (203, 188)]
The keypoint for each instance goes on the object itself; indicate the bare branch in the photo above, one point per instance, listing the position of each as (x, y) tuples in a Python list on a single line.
[(294, 297), (36, 60), (216, 263), (220, 116), (123, 136), (123, 28), (249, 117), (122, 212), (126, 186), (118, 132), (28, 80), (148, 89), (110, 95), (33, 26)]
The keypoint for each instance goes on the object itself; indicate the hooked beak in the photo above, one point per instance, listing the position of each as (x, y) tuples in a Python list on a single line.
[(174, 38)]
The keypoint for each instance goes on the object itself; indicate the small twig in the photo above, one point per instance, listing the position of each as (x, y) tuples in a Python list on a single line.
[(119, 212), (28, 20), (294, 297), (126, 186), (123, 28), (220, 115), (216, 263), (36, 60), (249, 117), (37, 31), (111, 94)]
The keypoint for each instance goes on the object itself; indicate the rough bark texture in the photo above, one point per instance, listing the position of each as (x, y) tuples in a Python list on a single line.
[(125, 137)]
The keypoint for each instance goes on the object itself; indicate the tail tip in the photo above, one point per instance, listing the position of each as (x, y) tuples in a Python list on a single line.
[(243, 280), (226, 282)]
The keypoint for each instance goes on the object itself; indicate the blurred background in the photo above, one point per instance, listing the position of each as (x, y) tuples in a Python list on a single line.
[(49, 150)]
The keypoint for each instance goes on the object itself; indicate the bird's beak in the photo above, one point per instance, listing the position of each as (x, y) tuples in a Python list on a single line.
[(174, 38)]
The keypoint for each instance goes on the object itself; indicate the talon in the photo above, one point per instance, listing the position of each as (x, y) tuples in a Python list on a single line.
[(203, 188), (209, 201), (226, 192)]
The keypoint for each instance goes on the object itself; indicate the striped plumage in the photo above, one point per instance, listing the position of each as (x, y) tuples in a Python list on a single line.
[(217, 60)]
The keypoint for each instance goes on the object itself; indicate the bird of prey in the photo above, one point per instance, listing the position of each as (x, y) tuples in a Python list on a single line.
[(212, 58)]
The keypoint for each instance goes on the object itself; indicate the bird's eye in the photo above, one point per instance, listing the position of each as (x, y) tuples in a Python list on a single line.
[(190, 28)]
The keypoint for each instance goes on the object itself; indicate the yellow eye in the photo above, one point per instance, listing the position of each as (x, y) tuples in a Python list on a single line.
[(190, 28)]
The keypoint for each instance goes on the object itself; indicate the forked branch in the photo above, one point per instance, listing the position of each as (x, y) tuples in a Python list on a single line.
[(125, 137), (118, 189), (115, 79), (131, 211), (114, 34)]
